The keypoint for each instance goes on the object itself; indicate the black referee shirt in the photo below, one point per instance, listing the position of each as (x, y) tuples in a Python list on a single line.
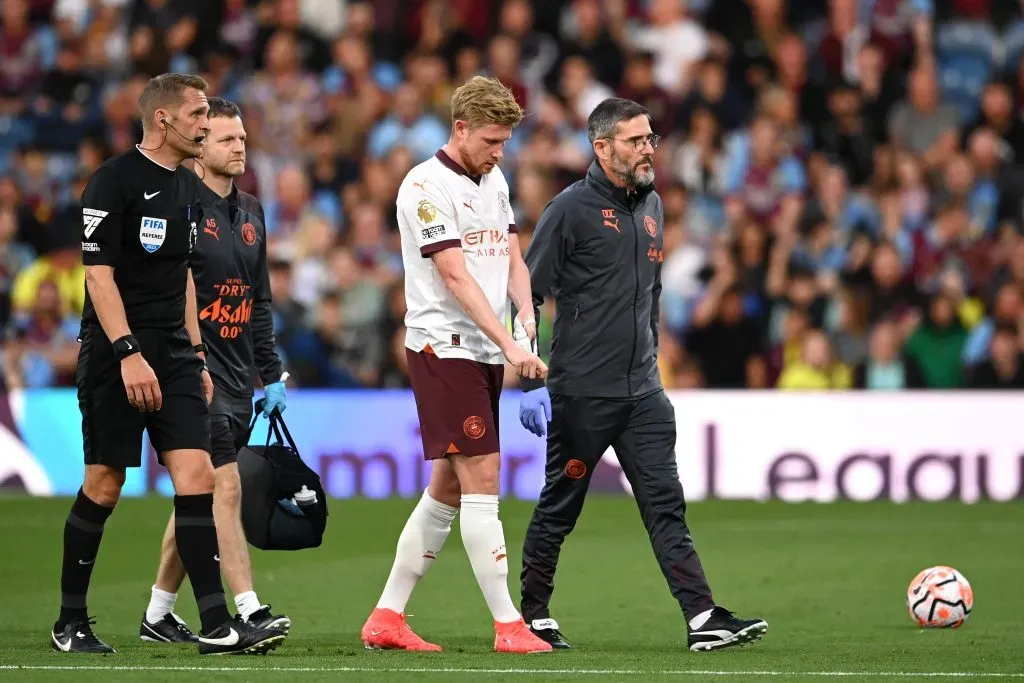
[(140, 218)]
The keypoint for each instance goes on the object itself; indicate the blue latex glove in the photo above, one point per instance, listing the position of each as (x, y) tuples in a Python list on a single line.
[(275, 398), (535, 411)]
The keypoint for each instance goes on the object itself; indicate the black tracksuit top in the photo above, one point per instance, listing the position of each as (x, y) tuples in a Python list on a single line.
[(229, 266), (598, 251)]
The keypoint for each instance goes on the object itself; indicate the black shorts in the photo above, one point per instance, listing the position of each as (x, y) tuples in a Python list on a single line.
[(229, 425), (111, 427)]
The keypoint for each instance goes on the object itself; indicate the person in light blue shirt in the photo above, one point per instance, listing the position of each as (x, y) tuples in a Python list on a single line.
[(757, 177), (423, 134), (886, 368)]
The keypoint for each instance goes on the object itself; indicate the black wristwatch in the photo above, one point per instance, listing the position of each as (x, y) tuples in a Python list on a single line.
[(126, 346)]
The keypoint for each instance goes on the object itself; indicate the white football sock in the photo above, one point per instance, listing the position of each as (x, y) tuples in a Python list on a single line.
[(700, 619), (161, 603), (418, 546), (247, 603), (484, 538)]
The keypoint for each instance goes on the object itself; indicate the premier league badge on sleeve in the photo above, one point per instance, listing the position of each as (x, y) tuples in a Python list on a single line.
[(426, 211), (152, 233)]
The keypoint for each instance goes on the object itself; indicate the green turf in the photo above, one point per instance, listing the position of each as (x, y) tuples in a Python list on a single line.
[(829, 579)]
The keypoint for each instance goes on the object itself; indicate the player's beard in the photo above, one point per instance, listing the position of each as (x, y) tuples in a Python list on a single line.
[(631, 173), (228, 170), (482, 168)]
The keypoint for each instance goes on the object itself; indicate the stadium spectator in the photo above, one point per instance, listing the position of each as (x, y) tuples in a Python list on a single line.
[(408, 125), (922, 124), (817, 368), (1004, 368), (937, 344), (886, 367), (41, 348), (997, 116), (815, 144)]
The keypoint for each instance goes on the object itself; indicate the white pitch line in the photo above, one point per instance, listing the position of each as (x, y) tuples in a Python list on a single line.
[(573, 672)]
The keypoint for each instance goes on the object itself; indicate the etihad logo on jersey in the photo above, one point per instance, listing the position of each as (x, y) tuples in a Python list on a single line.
[(491, 242), (231, 311)]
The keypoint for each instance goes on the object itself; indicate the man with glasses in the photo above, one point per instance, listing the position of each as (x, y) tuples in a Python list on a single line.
[(597, 251)]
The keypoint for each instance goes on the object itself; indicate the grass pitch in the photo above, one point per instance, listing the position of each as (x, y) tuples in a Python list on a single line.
[(829, 579)]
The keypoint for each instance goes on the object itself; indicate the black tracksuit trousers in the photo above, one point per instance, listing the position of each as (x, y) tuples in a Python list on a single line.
[(643, 434)]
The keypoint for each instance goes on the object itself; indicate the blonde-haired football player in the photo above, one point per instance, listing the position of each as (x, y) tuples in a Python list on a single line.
[(462, 263)]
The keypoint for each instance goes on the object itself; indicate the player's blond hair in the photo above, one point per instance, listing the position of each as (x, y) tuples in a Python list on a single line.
[(482, 101)]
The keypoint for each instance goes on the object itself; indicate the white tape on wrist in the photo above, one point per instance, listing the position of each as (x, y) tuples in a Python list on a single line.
[(520, 336)]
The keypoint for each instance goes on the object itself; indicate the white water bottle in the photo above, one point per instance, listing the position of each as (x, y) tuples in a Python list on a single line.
[(305, 497)]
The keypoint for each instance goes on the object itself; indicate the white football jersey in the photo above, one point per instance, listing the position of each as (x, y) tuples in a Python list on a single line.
[(439, 207)]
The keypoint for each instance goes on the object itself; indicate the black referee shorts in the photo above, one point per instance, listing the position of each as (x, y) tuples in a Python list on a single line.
[(229, 425), (111, 427)]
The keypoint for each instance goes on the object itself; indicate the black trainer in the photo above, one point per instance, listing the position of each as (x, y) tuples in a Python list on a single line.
[(262, 618), (77, 636), (547, 630), (723, 629), (170, 629), (237, 637)]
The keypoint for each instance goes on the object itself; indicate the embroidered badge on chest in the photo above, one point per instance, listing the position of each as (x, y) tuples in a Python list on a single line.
[(249, 234), (152, 233)]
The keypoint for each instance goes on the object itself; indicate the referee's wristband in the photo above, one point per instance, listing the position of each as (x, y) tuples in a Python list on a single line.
[(200, 348), (126, 346)]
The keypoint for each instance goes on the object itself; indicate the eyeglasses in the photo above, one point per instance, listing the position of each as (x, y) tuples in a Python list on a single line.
[(640, 141)]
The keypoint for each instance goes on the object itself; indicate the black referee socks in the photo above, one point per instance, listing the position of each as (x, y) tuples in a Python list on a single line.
[(83, 531), (197, 547)]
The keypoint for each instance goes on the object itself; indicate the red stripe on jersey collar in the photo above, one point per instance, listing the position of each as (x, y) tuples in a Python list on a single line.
[(443, 157)]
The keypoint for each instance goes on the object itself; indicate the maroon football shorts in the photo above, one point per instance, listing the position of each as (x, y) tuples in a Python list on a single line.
[(457, 403)]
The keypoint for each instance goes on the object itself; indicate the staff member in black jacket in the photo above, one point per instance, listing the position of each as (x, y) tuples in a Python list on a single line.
[(598, 251), (229, 266)]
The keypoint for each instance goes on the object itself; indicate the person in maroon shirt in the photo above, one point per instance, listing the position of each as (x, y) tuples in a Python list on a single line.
[(945, 244), (842, 20), (20, 56)]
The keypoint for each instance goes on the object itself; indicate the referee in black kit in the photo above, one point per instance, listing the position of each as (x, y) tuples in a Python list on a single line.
[(597, 250), (138, 368), (229, 266)]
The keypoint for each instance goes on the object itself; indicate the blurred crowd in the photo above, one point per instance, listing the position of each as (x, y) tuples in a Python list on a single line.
[(843, 194)]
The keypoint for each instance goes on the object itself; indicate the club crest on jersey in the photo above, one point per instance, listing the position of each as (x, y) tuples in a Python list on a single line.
[(651, 226), (503, 202), (426, 211), (249, 234), (152, 233)]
